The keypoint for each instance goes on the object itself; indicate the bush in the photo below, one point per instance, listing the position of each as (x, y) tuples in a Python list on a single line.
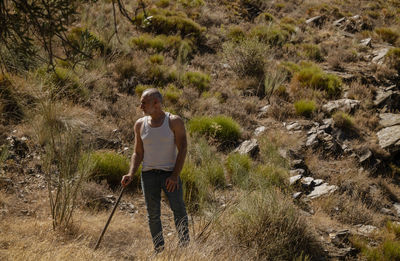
[(311, 76), (387, 34), (10, 108), (67, 85), (305, 108), (266, 226), (343, 120), (110, 166), (393, 57), (171, 93), (198, 80), (269, 175), (223, 129), (156, 59), (86, 41), (246, 58), (271, 34), (160, 43), (236, 34), (163, 24), (312, 52), (238, 167)]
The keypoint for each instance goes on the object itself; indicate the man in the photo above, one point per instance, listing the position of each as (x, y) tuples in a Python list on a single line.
[(160, 142)]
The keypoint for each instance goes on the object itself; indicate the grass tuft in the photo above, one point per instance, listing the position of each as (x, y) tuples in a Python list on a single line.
[(305, 108)]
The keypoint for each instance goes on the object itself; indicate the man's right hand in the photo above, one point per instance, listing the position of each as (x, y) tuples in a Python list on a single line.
[(126, 180)]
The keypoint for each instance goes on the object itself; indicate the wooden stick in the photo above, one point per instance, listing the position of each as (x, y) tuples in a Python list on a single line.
[(109, 218)]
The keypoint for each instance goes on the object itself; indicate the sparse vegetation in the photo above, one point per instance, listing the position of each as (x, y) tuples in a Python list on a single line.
[(305, 108), (393, 57), (198, 80), (387, 34), (223, 129), (343, 120)]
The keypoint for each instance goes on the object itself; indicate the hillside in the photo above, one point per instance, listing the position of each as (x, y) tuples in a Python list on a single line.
[(292, 111)]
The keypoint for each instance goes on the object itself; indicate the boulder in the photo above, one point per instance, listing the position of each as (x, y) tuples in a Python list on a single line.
[(249, 147), (346, 105), (293, 126), (294, 172), (297, 195), (388, 98), (379, 55), (396, 207), (307, 182), (366, 42), (294, 179), (322, 190), (389, 138), (318, 182), (389, 119), (258, 131), (365, 230)]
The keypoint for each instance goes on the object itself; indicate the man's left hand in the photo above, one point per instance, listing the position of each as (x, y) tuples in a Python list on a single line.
[(172, 183)]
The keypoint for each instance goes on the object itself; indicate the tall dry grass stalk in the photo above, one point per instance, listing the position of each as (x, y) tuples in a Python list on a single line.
[(64, 168)]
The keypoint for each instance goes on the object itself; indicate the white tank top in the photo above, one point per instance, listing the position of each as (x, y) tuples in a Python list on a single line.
[(159, 146)]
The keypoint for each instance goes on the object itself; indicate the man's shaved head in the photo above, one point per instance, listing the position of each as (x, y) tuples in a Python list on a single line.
[(154, 93)]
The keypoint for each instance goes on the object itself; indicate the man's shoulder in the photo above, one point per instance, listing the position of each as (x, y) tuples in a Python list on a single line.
[(139, 122), (176, 122)]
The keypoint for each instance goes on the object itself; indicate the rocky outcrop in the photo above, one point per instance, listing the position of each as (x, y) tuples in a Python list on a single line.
[(249, 147), (389, 138), (346, 105)]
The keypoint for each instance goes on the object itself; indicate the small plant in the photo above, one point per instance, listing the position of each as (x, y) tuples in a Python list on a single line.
[(265, 18), (198, 80), (159, 43), (387, 34), (156, 59), (271, 34), (140, 88), (236, 34), (273, 80), (270, 175), (246, 58), (66, 84), (305, 108), (312, 52), (238, 167), (110, 166), (223, 129), (171, 93), (311, 76), (393, 57), (10, 107), (343, 120)]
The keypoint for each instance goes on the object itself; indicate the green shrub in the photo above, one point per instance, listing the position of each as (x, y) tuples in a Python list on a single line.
[(10, 107), (312, 52), (66, 84), (311, 76), (238, 167), (269, 175), (387, 34), (157, 59), (198, 80), (271, 34), (236, 34), (191, 3), (246, 58), (110, 166), (222, 128), (265, 17), (387, 250), (171, 93), (266, 226), (160, 43), (343, 120), (393, 57), (163, 3), (305, 108), (164, 24), (140, 88)]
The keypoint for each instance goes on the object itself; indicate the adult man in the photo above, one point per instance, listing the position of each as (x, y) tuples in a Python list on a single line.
[(160, 142)]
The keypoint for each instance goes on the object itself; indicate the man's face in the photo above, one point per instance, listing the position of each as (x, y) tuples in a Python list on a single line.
[(147, 104)]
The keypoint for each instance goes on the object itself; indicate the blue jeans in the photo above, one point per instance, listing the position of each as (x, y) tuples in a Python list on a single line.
[(152, 183)]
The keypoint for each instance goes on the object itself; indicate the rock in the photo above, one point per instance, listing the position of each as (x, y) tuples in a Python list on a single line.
[(318, 182), (389, 138), (307, 181), (298, 164), (297, 172), (249, 147), (365, 229), (365, 156), (346, 105), (265, 108), (322, 190), (289, 154), (316, 20), (339, 21), (258, 131), (386, 211), (312, 141), (396, 207), (379, 55), (297, 195), (340, 238), (366, 42), (293, 126), (387, 98), (389, 119), (294, 179)]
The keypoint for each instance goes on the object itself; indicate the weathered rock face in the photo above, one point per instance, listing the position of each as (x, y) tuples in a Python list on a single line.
[(346, 105), (389, 138), (389, 119), (322, 190), (388, 98), (249, 147), (260, 130), (379, 54)]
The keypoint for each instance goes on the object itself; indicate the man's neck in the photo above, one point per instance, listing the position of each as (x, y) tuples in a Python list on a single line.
[(156, 117)]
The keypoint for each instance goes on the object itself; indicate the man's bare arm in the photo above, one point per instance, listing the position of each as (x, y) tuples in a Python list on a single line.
[(137, 156)]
